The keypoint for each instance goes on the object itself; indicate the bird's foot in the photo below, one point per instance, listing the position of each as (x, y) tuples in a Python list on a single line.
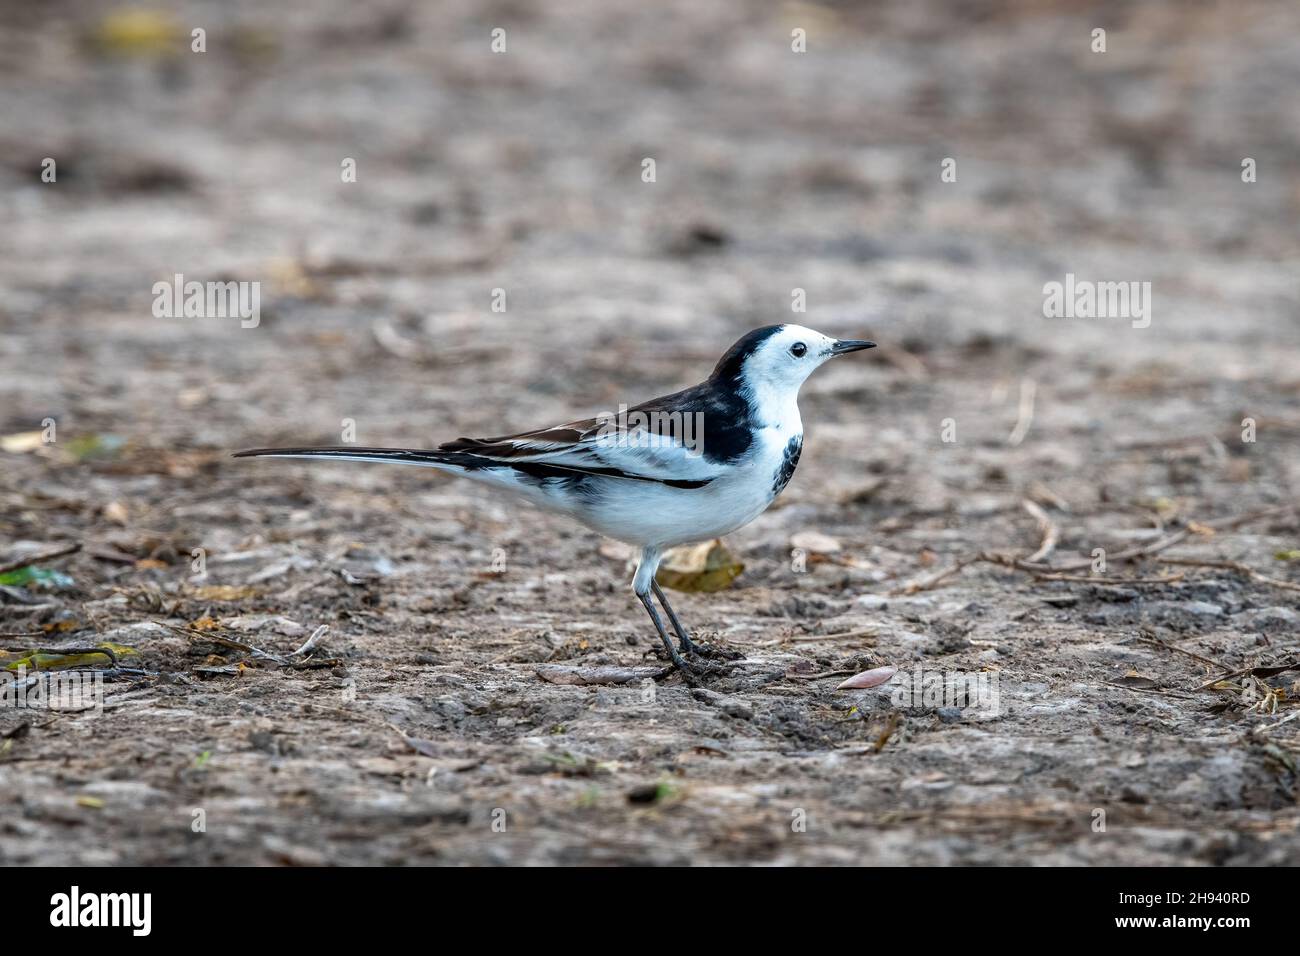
[(693, 669), (703, 649), (712, 668), (713, 651)]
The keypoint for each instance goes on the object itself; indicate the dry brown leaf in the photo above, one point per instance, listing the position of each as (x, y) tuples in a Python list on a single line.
[(707, 566), (115, 512), (224, 592), (872, 678), (20, 442), (1134, 679)]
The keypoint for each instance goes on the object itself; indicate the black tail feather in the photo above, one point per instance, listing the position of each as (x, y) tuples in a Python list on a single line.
[(406, 456)]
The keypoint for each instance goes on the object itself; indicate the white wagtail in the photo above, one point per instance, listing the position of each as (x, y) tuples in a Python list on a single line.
[(686, 467)]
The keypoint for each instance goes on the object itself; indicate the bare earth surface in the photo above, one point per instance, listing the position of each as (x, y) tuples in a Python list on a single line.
[(420, 731)]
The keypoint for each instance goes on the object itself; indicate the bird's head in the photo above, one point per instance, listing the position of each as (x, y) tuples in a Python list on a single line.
[(775, 360)]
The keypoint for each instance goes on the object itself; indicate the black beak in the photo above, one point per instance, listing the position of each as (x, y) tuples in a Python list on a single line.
[(851, 345)]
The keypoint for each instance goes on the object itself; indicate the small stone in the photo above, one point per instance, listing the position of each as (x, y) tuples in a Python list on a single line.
[(1272, 619), (450, 708), (734, 707), (814, 542), (646, 793)]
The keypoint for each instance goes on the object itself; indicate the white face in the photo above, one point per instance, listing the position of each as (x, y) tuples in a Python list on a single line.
[(780, 365)]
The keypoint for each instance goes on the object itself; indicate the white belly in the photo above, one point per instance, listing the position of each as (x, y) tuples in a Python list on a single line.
[(656, 515)]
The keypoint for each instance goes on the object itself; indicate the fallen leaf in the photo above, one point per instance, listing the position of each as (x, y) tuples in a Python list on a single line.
[(91, 803), (36, 660), (1134, 679), (20, 442), (206, 623), (116, 512), (95, 447), (706, 567), (224, 592), (137, 32), (872, 678), (34, 575)]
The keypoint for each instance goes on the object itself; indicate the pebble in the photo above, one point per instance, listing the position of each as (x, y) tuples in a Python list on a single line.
[(735, 707), (1272, 619), (705, 695)]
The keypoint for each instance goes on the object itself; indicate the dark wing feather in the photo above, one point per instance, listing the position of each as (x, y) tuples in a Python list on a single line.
[(679, 439)]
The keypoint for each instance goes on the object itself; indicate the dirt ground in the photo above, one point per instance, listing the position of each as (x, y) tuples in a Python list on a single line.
[(420, 730)]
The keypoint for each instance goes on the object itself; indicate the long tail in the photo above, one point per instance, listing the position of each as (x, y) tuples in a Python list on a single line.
[(424, 457)]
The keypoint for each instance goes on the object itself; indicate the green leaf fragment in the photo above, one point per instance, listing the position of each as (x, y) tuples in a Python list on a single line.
[(34, 575)]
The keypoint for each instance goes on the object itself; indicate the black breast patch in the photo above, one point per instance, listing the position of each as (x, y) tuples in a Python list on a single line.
[(789, 462)]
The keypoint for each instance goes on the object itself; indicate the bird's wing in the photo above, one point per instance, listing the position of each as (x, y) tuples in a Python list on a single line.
[(646, 443)]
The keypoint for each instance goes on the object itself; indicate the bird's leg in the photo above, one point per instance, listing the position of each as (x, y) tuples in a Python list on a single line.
[(678, 661), (643, 584), (684, 640)]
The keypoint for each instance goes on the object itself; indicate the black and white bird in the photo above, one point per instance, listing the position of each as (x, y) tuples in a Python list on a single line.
[(686, 467)]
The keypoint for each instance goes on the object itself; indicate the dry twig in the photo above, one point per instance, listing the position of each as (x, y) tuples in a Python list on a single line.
[(1236, 566), (1054, 572), (1051, 534), (1025, 417), (41, 558)]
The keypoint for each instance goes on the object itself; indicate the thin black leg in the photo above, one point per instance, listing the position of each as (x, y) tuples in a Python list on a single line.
[(677, 659), (687, 645)]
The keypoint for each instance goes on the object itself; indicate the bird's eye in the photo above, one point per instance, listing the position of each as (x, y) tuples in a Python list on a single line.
[(798, 350)]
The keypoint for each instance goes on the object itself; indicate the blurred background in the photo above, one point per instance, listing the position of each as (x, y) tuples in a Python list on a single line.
[(778, 174), (522, 171)]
